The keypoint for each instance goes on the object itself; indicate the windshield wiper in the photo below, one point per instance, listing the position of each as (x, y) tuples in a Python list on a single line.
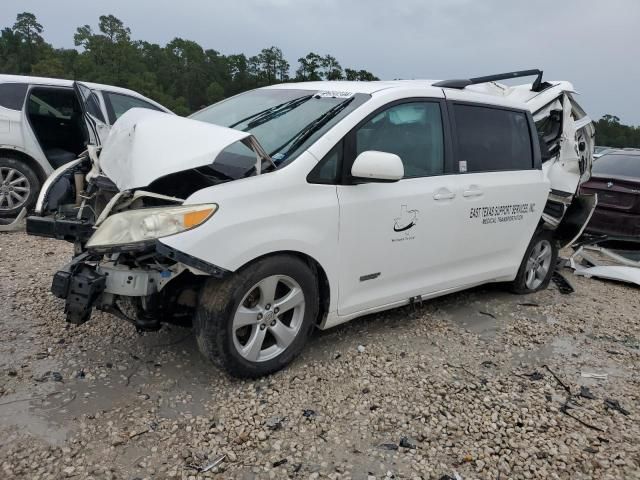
[(270, 113), (304, 134)]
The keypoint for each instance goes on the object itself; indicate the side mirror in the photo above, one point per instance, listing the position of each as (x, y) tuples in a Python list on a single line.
[(373, 166)]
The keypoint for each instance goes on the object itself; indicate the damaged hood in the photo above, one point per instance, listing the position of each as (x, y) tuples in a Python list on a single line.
[(145, 145)]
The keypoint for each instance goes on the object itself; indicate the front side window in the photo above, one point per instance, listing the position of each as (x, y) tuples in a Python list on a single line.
[(492, 139), (118, 104), (285, 121), (413, 131)]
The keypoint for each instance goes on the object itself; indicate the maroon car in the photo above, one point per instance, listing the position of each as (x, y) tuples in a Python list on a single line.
[(616, 179)]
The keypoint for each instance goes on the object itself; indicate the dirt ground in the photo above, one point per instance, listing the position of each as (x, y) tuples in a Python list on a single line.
[(480, 384)]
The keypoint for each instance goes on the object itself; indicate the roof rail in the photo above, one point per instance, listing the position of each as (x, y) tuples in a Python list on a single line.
[(460, 84)]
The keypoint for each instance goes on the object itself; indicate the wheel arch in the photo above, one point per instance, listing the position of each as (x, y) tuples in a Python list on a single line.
[(324, 289), (28, 159)]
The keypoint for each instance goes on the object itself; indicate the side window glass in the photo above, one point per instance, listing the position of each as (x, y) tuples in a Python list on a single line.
[(12, 95), (492, 139), (55, 103), (413, 131), (119, 104), (326, 171), (93, 108)]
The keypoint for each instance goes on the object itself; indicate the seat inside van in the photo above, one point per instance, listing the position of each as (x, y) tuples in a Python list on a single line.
[(56, 119)]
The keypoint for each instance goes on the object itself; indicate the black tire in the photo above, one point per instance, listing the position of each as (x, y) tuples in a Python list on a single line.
[(520, 284), (220, 299), (31, 181)]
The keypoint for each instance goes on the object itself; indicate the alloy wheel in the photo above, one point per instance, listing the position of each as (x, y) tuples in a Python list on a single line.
[(538, 264), (14, 189), (268, 319)]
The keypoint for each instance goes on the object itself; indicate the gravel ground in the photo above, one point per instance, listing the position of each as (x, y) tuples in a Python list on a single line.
[(464, 385)]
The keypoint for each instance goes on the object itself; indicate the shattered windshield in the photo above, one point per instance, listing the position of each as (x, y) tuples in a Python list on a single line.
[(285, 121)]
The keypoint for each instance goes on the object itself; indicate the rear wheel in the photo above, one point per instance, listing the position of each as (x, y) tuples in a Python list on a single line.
[(258, 320), (19, 187), (537, 265)]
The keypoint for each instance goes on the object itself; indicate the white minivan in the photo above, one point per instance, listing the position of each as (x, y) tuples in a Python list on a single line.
[(309, 204), (42, 128)]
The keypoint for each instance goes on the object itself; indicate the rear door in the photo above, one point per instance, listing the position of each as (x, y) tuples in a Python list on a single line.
[(500, 188), (94, 115)]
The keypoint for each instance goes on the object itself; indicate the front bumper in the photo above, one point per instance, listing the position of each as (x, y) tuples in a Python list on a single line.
[(94, 280)]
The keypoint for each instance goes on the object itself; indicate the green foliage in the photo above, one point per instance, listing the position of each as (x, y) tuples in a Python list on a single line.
[(180, 75), (611, 133)]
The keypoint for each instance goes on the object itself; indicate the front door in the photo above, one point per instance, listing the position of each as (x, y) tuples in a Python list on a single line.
[(396, 239)]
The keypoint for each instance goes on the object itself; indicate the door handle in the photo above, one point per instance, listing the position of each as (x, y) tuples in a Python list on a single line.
[(443, 195), (472, 192)]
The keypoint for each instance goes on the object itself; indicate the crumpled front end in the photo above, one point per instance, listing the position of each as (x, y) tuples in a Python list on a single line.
[(116, 202), (146, 286)]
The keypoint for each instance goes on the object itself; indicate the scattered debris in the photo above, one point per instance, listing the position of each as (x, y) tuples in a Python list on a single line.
[(596, 376), (337, 356), (564, 286), (80, 374), (562, 384), (586, 393), (388, 446), (12, 373), (51, 376), (275, 423), (213, 464), (280, 462), (488, 364), (408, 442), (361, 348), (615, 405), (529, 304), (534, 376), (308, 413), (591, 450), (488, 314)]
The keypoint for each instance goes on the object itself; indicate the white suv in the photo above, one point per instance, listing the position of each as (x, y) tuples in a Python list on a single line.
[(42, 128), (309, 204)]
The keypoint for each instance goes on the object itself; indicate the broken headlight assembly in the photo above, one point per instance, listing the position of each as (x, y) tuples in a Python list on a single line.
[(138, 228)]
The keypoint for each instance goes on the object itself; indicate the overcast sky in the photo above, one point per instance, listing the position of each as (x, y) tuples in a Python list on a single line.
[(594, 44)]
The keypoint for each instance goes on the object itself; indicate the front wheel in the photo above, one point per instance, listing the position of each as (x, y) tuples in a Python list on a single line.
[(258, 320), (537, 265)]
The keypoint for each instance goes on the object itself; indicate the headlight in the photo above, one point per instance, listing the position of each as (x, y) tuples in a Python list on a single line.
[(146, 224)]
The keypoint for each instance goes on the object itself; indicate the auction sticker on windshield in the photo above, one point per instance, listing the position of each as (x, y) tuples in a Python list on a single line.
[(332, 94)]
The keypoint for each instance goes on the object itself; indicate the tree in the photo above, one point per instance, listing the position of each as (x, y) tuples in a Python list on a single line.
[(331, 69), (180, 75), (309, 68), (27, 31)]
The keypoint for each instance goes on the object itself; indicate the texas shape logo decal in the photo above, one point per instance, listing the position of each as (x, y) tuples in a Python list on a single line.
[(406, 221)]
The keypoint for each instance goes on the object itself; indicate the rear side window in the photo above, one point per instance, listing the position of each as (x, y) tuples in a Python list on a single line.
[(12, 95), (118, 104), (492, 139), (617, 165)]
